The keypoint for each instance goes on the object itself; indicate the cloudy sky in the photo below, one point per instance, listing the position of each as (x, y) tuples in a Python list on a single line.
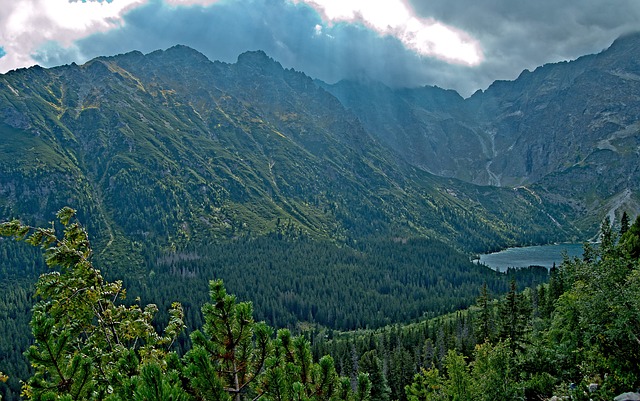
[(459, 44)]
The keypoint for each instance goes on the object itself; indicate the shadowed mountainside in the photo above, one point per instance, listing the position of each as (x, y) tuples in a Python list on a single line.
[(568, 131)]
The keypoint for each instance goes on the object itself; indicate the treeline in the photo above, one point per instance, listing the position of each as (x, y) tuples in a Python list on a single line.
[(576, 336)]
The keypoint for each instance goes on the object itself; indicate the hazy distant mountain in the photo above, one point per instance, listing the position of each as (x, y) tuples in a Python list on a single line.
[(570, 131)]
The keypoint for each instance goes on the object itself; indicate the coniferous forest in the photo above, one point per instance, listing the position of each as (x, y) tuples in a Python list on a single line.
[(577, 336), (293, 281)]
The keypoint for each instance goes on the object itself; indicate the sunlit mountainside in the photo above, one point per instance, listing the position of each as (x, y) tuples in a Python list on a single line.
[(173, 147)]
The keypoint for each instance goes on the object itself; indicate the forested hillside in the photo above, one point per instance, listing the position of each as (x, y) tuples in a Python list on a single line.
[(576, 336), (170, 148), (294, 281), (186, 170), (89, 345)]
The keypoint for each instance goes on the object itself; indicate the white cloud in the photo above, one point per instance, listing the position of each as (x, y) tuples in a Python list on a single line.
[(26, 25), (426, 37), (191, 2)]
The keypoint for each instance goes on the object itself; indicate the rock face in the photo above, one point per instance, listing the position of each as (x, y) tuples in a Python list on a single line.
[(429, 127), (559, 115), (627, 397), (571, 128)]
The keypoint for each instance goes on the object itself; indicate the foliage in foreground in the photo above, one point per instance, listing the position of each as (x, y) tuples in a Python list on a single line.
[(89, 345), (582, 328)]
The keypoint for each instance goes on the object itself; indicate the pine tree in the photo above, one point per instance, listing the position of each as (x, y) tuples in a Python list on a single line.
[(458, 384), (370, 364), (290, 375), (494, 373), (401, 371), (607, 238), (427, 385), (624, 223), (83, 334), (236, 345), (512, 318), (556, 287), (543, 302), (630, 241), (484, 316)]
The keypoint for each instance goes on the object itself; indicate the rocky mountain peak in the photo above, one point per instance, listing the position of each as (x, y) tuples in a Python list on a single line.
[(259, 61), (629, 40), (186, 52), (180, 56)]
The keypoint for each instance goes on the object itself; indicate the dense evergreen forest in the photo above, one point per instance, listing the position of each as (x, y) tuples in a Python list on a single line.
[(89, 345), (294, 282), (297, 279), (576, 336)]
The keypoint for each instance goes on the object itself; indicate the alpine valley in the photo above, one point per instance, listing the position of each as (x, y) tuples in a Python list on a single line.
[(345, 205)]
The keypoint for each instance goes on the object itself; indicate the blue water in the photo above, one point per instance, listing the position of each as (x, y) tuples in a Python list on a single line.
[(544, 255)]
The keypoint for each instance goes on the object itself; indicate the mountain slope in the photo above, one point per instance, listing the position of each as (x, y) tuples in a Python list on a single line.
[(568, 130), (172, 147)]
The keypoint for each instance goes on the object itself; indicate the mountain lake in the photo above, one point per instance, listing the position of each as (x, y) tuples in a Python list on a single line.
[(543, 255)]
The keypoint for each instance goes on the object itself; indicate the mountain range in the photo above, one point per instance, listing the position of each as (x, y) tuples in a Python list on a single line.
[(170, 148), (567, 131), (173, 147)]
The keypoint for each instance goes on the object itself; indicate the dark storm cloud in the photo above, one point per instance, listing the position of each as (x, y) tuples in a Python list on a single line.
[(524, 35), (513, 36)]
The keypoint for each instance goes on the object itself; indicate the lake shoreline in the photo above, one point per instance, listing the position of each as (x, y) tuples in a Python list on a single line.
[(525, 256)]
